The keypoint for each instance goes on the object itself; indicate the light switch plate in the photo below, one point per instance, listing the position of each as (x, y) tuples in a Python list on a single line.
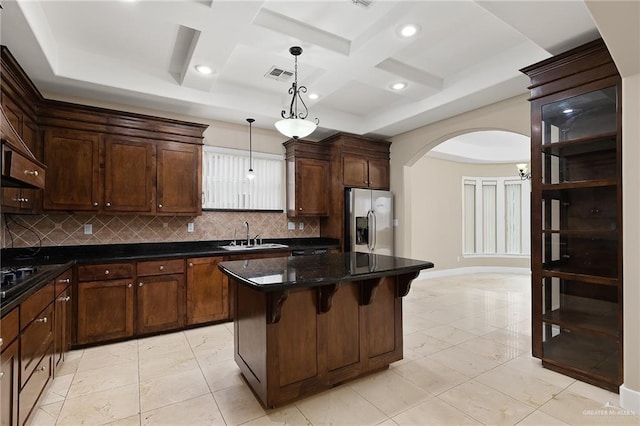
[(88, 229), (190, 227), (291, 226), (301, 226)]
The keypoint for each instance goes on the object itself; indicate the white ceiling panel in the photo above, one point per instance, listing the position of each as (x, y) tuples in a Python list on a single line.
[(144, 52)]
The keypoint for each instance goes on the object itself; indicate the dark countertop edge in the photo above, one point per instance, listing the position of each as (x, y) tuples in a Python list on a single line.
[(150, 251), (266, 288), (43, 279)]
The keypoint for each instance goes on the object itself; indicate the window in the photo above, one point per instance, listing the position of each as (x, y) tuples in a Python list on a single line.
[(495, 216), (225, 185)]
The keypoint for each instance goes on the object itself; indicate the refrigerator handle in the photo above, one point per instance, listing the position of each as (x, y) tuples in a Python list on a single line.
[(375, 230), (370, 229)]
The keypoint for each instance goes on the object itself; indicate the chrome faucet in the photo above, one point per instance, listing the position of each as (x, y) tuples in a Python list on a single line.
[(246, 225)]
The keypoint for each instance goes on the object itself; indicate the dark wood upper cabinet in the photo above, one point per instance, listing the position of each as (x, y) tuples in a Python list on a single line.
[(73, 180), (308, 183), (101, 161), (576, 216), (128, 175), (179, 183)]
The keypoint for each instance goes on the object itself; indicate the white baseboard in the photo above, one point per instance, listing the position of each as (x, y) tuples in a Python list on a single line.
[(630, 399), (430, 273)]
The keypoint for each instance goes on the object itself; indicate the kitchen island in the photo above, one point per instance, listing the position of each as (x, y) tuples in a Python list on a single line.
[(305, 324)]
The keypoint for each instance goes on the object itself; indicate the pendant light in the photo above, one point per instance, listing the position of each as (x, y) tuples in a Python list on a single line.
[(250, 174), (293, 123)]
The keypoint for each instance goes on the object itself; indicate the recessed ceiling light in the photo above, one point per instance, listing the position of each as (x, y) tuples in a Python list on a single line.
[(409, 30), (313, 96), (204, 69), (399, 86)]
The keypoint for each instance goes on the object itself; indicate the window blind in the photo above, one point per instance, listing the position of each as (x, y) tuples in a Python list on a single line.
[(225, 184)]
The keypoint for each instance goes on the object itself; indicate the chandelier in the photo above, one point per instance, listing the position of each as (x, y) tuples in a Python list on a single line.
[(293, 123)]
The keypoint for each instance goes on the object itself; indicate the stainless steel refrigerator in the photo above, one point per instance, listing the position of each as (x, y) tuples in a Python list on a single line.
[(369, 221)]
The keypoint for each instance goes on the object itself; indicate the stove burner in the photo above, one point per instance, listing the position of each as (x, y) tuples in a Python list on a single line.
[(11, 276)]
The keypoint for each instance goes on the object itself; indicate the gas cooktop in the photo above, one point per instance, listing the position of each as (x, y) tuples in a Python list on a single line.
[(19, 278)]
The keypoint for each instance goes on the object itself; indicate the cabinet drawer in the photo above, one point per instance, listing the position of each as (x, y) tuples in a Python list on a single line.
[(22, 169), (62, 281), (32, 307), (34, 342), (107, 271), (9, 328), (160, 267), (31, 391)]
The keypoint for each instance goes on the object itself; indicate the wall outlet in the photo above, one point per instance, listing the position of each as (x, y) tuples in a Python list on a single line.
[(190, 227), (301, 226), (88, 229), (291, 226), (395, 223)]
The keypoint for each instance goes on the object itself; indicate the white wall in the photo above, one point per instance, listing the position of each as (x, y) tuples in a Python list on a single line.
[(407, 149), (436, 204)]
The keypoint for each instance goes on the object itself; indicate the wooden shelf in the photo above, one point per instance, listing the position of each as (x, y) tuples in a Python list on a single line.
[(585, 233), (590, 316), (597, 183), (590, 355), (596, 143), (565, 274)]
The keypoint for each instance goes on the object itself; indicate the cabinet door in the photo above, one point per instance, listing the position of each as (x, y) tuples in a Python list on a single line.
[(62, 328), (178, 178), (105, 310), (312, 181), (72, 179), (160, 303), (9, 385), (355, 172), (379, 174), (128, 175), (207, 291)]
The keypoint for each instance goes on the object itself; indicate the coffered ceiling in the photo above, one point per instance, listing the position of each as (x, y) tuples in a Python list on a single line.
[(143, 53)]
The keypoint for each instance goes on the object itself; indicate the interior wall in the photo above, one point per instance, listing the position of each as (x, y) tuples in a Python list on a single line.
[(510, 115), (436, 203)]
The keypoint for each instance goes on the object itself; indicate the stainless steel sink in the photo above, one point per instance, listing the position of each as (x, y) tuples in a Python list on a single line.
[(264, 246)]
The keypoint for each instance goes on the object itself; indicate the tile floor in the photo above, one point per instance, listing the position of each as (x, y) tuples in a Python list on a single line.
[(467, 361)]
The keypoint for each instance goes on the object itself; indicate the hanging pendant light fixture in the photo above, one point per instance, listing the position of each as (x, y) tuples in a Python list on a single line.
[(250, 174), (293, 123)]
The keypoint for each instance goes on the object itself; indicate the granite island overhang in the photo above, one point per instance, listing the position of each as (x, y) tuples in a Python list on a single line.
[(304, 324)]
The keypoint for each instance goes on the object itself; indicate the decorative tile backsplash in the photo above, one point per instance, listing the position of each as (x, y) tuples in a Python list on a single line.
[(67, 229)]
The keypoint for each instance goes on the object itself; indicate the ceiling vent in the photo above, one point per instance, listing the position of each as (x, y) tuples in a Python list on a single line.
[(278, 74), (362, 3)]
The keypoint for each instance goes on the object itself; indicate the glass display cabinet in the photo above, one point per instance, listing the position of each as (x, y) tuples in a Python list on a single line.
[(576, 237)]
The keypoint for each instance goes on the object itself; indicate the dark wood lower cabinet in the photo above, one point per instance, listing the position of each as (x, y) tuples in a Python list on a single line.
[(207, 291), (105, 310), (160, 303), (320, 336), (9, 369)]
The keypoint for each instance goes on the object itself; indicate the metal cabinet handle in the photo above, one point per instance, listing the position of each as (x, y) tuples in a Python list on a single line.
[(159, 206), (43, 319), (65, 281), (95, 204), (64, 298), (108, 204), (129, 285), (1, 341), (106, 272), (22, 200), (140, 284), (162, 267), (1, 375), (190, 265), (300, 208), (42, 368), (31, 172)]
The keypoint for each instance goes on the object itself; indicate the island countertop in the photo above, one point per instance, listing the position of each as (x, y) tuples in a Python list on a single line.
[(273, 274)]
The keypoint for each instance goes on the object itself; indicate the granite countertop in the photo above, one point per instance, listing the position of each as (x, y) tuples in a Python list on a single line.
[(274, 274), (86, 254), (54, 260)]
